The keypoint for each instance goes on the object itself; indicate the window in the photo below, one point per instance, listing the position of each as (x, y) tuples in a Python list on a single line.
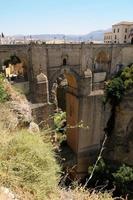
[(115, 37), (125, 30), (132, 40), (125, 41), (125, 37), (64, 61), (114, 30), (118, 30)]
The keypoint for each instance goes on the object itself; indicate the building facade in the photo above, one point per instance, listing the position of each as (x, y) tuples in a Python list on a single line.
[(108, 37), (122, 33)]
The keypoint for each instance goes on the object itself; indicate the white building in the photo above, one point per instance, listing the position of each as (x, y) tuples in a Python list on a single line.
[(121, 33), (108, 37)]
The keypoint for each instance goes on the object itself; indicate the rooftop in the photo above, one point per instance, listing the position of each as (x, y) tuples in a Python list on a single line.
[(123, 23)]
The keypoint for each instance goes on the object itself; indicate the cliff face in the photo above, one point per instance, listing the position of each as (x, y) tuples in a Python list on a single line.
[(16, 111), (120, 143)]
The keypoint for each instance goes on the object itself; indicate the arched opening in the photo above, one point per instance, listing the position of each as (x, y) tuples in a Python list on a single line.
[(101, 62), (14, 69), (64, 61), (132, 40), (61, 92), (66, 103)]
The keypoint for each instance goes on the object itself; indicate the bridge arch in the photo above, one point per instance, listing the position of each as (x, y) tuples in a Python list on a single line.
[(71, 75), (14, 67), (72, 102), (101, 62)]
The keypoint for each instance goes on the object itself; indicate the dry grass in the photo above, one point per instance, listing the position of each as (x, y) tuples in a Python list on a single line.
[(27, 164), (81, 194), (8, 120)]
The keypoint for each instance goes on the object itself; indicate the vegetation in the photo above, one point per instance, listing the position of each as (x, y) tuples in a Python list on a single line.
[(3, 93), (117, 86), (123, 178), (60, 125), (28, 167), (102, 174), (79, 193), (58, 118), (115, 90), (28, 163), (127, 76)]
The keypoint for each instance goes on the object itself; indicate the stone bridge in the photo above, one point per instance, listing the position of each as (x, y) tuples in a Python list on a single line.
[(86, 67)]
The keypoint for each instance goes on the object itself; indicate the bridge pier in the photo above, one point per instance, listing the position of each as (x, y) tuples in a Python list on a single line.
[(84, 118)]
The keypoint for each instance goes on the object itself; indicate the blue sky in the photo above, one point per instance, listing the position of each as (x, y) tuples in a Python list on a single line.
[(62, 16)]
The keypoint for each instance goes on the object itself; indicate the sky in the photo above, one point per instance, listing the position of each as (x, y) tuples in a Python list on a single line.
[(61, 16)]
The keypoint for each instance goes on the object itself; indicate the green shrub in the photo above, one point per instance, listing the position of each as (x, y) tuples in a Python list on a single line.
[(3, 93), (127, 76), (102, 173), (60, 126), (58, 118), (123, 175), (115, 90), (27, 162), (116, 86)]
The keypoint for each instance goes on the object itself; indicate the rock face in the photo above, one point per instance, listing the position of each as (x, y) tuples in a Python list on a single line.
[(33, 128), (22, 110), (119, 147), (7, 194), (16, 112)]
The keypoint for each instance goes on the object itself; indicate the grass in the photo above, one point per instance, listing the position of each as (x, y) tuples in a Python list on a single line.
[(28, 164), (28, 167), (81, 194)]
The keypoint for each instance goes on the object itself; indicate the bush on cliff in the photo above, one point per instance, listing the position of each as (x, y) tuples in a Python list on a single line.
[(116, 87), (123, 178), (115, 90)]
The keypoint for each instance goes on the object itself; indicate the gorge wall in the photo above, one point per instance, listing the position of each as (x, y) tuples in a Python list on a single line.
[(119, 146)]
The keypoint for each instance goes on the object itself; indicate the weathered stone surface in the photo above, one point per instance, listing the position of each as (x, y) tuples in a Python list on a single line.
[(9, 120), (15, 112), (42, 78), (120, 143), (41, 94), (7, 194), (22, 110), (34, 128), (43, 114)]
